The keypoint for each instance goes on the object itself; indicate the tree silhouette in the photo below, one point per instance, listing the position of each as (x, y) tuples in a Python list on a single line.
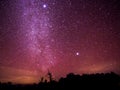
[(42, 79), (50, 76)]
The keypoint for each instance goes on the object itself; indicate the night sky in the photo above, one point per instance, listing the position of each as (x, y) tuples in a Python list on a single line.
[(62, 36)]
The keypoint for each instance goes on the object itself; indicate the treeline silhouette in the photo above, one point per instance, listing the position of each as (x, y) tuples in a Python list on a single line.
[(108, 81)]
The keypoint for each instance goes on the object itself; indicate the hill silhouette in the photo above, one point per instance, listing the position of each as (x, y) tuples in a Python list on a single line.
[(108, 81)]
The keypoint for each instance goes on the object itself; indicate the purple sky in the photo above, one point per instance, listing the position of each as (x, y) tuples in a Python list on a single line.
[(62, 36)]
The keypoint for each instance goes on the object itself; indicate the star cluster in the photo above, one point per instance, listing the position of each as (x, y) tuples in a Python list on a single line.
[(62, 36)]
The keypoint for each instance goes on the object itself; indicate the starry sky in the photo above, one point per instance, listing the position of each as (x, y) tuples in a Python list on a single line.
[(62, 36)]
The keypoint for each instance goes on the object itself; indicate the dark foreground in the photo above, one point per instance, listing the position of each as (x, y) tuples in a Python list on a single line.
[(108, 81)]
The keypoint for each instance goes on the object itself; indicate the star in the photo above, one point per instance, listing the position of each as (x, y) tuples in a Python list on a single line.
[(44, 5), (77, 53)]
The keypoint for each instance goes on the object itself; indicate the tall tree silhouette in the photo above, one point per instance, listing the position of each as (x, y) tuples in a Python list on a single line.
[(50, 76)]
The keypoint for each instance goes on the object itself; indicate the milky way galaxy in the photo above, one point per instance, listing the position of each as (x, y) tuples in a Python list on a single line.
[(60, 36)]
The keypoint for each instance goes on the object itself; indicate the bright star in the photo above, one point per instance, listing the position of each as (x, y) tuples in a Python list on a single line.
[(77, 53), (44, 6)]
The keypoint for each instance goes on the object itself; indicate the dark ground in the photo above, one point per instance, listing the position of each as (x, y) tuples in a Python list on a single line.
[(108, 81)]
